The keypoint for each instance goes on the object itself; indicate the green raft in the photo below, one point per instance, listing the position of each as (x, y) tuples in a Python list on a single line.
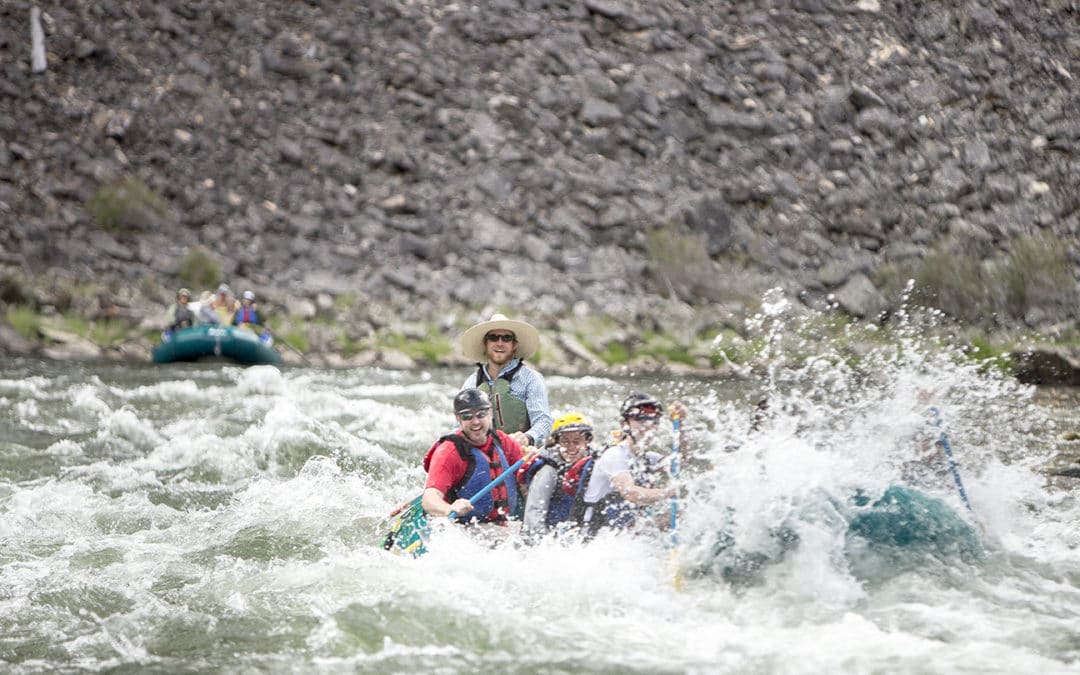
[(210, 341), (409, 530)]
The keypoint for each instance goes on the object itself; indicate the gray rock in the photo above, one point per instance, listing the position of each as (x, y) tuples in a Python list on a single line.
[(13, 344), (1047, 365), (598, 113), (859, 297)]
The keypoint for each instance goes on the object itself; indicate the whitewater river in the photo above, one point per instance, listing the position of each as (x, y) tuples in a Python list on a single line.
[(215, 518)]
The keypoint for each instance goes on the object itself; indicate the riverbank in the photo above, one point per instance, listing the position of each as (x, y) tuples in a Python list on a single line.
[(69, 319)]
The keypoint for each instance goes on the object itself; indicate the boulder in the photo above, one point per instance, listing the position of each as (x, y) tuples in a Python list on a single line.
[(1047, 365)]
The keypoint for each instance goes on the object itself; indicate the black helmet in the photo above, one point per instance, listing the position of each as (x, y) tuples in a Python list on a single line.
[(471, 399), (640, 406)]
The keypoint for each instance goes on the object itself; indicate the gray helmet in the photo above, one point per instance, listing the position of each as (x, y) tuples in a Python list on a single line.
[(471, 399)]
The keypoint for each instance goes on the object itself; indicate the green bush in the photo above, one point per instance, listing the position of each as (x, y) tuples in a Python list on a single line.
[(615, 353), (24, 320), (432, 350), (1036, 273), (126, 204), (989, 355), (678, 261), (200, 269), (297, 339)]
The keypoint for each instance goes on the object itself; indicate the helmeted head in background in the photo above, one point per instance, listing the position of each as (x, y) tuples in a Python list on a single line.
[(641, 406), (640, 414)]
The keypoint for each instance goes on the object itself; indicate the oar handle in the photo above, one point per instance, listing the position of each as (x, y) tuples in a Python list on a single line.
[(491, 486)]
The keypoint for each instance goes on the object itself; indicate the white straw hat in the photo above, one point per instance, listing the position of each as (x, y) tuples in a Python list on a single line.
[(528, 338)]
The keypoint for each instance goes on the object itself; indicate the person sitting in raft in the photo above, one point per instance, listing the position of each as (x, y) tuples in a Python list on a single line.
[(224, 305), (546, 504), (206, 313), (624, 476), (247, 316), (462, 463), (179, 314), (499, 347)]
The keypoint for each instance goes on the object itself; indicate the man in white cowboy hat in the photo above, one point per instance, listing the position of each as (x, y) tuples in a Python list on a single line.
[(517, 392)]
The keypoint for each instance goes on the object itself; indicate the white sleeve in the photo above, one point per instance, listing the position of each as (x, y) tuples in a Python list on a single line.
[(536, 505)]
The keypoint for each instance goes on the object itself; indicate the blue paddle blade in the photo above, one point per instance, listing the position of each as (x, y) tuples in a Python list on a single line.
[(409, 531)]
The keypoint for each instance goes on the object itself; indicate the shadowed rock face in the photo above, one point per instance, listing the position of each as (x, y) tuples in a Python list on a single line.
[(520, 151)]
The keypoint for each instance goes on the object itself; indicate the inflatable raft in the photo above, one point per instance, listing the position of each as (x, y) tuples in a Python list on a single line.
[(207, 342)]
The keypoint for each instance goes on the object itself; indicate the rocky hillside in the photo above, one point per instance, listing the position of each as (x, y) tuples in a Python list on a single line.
[(556, 158)]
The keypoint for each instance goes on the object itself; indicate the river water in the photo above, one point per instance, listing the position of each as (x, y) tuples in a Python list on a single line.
[(205, 517)]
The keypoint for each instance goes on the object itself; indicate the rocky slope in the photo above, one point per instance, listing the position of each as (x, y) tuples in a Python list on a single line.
[(432, 161)]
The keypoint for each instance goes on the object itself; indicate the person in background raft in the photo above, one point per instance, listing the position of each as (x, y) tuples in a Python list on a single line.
[(247, 316), (223, 305), (547, 504), (206, 314), (462, 463), (624, 477), (179, 314), (518, 393)]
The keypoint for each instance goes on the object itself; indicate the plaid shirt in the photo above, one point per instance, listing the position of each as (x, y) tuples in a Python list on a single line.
[(528, 386)]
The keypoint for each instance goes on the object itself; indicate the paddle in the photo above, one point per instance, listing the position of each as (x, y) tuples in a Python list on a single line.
[(491, 486), (943, 440), (294, 350), (673, 561), (674, 475)]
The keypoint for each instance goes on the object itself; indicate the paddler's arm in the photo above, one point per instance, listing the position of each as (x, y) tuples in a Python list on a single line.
[(435, 504), (623, 482)]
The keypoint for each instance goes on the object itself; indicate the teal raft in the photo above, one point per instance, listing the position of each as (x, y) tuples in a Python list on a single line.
[(211, 341), (885, 534)]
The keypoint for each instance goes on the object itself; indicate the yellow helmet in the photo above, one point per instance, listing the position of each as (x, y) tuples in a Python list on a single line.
[(571, 422)]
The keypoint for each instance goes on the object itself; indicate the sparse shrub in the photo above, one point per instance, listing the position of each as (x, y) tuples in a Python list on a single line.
[(989, 355), (432, 350), (200, 269), (678, 261), (126, 204), (24, 320), (665, 347), (1036, 273), (955, 283), (615, 353), (297, 339)]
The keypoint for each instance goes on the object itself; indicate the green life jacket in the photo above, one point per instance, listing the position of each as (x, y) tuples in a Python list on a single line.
[(509, 412)]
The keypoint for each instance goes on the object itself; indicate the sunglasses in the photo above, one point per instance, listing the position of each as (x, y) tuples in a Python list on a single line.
[(495, 337), (646, 412), (479, 414)]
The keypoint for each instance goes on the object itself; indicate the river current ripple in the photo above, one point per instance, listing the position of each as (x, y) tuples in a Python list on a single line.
[(217, 518)]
